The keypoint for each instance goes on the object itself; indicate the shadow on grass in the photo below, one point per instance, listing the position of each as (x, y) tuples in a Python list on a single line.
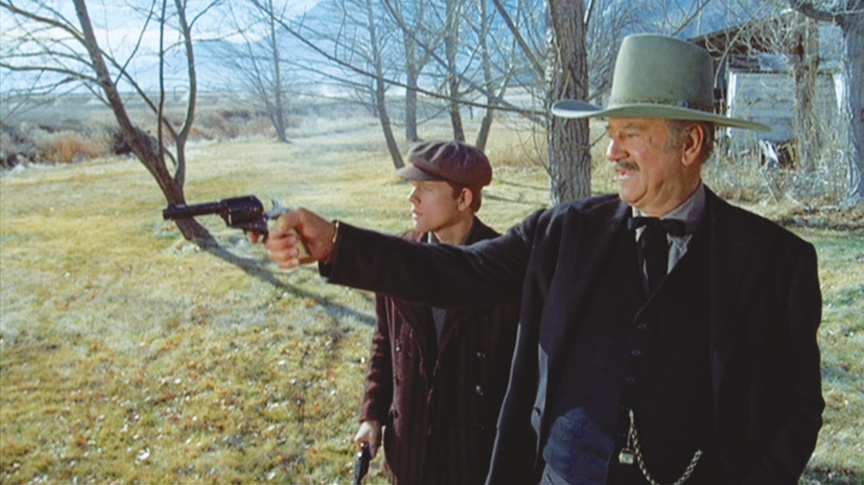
[(835, 476), (258, 269)]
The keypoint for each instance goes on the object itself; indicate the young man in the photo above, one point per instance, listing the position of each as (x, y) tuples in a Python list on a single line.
[(665, 335), (437, 377)]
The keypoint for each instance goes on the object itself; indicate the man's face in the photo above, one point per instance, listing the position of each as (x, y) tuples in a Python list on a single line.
[(651, 172), (434, 206)]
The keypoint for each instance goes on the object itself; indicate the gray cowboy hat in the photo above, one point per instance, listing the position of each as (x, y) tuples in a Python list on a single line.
[(658, 77)]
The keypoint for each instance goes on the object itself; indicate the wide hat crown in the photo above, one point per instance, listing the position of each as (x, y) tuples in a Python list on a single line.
[(658, 77)]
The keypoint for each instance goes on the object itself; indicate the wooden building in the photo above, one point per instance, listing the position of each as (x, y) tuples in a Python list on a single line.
[(782, 71)]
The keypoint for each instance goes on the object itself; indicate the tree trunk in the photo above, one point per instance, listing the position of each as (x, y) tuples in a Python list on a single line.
[(852, 25), (384, 118), (451, 40), (567, 77), (411, 133), (486, 122), (805, 71), (278, 115), (485, 128), (412, 73), (380, 91)]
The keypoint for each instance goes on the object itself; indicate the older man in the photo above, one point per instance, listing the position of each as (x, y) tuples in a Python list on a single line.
[(665, 335)]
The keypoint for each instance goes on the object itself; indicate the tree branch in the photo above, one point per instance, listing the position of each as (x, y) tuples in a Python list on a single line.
[(505, 106), (808, 9)]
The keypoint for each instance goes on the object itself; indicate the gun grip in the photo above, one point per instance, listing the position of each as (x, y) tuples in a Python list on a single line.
[(305, 257)]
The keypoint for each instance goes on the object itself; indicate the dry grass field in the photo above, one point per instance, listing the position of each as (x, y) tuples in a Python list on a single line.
[(130, 356)]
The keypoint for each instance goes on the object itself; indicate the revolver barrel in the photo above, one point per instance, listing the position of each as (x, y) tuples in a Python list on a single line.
[(184, 211)]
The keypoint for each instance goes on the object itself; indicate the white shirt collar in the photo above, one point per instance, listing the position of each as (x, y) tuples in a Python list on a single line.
[(690, 211)]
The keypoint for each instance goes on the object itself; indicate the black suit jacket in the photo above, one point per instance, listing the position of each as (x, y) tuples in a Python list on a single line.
[(765, 311)]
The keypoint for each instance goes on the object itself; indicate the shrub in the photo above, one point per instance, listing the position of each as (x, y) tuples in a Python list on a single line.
[(16, 146), (71, 146)]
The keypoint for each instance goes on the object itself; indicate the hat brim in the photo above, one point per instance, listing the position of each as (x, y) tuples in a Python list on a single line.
[(571, 108), (411, 172)]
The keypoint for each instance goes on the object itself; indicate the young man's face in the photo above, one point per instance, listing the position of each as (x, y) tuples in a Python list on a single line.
[(434, 206), (652, 173)]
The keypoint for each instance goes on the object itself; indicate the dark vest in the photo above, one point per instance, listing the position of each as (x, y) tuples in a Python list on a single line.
[(650, 355)]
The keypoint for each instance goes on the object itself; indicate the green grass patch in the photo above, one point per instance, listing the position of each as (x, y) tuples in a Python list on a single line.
[(130, 356)]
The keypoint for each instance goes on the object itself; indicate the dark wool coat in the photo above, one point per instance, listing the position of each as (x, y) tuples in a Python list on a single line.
[(765, 309), (440, 402)]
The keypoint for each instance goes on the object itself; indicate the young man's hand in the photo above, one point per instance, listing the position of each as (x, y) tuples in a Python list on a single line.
[(369, 434)]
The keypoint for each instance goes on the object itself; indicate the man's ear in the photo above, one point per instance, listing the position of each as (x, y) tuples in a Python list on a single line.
[(693, 144), (464, 200)]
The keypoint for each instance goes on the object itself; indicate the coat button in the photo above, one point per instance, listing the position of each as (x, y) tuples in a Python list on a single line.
[(630, 379), (398, 346), (641, 326), (479, 390), (635, 352), (481, 355)]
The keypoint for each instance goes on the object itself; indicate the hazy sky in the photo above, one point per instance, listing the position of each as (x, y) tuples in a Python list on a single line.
[(118, 27)]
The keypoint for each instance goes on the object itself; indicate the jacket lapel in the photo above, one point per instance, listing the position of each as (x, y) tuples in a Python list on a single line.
[(735, 275), (584, 248)]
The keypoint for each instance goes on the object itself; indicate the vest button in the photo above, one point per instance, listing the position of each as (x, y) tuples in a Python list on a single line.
[(479, 390), (630, 379), (641, 326), (635, 352)]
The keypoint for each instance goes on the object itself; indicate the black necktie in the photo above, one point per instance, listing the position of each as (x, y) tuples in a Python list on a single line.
[(654, 246)]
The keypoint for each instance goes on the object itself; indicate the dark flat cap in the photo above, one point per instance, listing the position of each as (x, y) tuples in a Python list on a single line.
[(450, 161)]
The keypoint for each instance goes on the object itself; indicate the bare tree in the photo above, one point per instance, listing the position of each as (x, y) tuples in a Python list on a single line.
[(410, 17), (359, 39), (849, 16), (257, 62), (474, 62), (498, 63), (77, 56)]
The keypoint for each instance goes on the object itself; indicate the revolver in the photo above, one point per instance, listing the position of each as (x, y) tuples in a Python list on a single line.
[(246, 212), (361, 466)]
